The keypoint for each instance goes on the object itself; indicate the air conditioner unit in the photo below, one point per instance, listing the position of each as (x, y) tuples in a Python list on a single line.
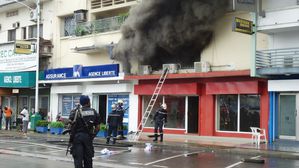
[(145, 70), (202, 66), (80, 15), (172, 68), (33, 15), (16, 25)]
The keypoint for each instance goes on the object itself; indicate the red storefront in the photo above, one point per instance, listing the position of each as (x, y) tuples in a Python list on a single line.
[(207, 104)]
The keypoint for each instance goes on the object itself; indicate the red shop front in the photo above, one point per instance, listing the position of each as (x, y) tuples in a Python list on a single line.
[(207, 104)]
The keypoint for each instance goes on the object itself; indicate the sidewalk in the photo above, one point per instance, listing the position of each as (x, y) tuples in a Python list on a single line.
[(280, 148)]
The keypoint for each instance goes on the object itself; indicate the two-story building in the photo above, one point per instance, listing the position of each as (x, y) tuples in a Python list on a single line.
[(279, 62)]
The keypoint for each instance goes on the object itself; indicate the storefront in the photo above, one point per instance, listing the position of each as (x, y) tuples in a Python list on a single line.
[(284, 102), (208, 104), (103, 84)]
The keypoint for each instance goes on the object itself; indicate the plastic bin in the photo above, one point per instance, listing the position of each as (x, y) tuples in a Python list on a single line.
[(34, 118)]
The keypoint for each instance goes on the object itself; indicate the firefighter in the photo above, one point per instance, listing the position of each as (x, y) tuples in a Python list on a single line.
[(85, 122), (113, 122), (121, 112), (160, 118)]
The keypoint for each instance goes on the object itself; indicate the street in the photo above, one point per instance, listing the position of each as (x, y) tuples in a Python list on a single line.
[(40, 152)]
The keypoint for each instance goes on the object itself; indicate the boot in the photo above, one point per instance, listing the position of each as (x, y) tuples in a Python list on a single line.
[(161, 137), (156, 138), (108, 140), (114, 140)]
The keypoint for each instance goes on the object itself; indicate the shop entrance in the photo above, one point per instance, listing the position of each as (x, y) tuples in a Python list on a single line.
[(193, 114), (287, 117), (102, 108)]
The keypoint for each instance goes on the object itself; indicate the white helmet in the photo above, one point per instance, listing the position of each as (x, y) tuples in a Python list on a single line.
[(164, 106), (113, 106), (120, 101)]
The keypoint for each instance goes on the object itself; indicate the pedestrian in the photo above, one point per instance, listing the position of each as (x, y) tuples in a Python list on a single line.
[(25, 120), (121, 112), (85, 122), (160, 118), (113, 122), (8, 113), (1, 116)]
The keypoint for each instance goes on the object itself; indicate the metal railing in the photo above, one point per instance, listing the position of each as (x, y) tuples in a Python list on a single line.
[(98, 26), (96, 4), (277, 58)]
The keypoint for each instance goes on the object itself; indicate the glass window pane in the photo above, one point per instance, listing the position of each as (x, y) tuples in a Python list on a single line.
[(249, 112), (227, 112), (146, 100)]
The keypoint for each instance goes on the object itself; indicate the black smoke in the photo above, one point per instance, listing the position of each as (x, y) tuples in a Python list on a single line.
[(167, 31)]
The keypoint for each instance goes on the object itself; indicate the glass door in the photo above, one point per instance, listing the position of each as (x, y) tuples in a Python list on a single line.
[(287, 116)]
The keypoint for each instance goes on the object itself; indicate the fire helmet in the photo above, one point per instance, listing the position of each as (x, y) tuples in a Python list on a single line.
[(113, 106), (120, 101), (164, 106)]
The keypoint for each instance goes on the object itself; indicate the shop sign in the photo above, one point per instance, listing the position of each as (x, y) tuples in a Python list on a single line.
[(242, 26), (17, 80), (112, 99), (23, 47), (79, 72), (13, 62)]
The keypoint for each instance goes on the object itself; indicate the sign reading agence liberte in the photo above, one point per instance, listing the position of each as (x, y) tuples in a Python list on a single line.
[(242, 26)]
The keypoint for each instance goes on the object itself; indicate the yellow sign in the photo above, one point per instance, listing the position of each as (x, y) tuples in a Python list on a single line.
[(23, 47), (242, 26)]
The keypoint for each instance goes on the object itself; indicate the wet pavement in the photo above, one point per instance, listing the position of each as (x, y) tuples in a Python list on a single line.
[(46, 150)]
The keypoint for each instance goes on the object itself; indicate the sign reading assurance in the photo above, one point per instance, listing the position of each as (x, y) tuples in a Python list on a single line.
[(242, 26), (79, 72)]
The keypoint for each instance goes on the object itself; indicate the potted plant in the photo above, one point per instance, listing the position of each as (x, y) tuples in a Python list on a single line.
[(125, 130), (56, 127), (41, 126), (103, 130)]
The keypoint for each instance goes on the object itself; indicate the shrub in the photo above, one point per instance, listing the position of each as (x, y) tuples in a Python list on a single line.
[(42, 123), (103, 127), (57, 124)]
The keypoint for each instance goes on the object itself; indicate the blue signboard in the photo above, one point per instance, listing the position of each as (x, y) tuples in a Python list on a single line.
[(79, 72), (112, 99)]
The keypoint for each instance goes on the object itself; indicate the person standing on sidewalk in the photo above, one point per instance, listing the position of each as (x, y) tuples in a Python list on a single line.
[(160, 118), (8, 113), (25, 119), (121, 112), (112, 122), (85, 121)]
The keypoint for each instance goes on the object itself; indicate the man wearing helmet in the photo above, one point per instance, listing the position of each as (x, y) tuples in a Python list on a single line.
[(84, 122), (160, 119), (113, 122), (121, 112)]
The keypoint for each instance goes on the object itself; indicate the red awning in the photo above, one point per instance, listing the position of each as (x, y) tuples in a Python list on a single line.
[(168, 89), (245, 87)]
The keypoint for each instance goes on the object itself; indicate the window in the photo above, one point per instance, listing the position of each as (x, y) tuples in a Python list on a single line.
[(12, 13), (24, 33), (238, 112), (175, 110), (69, 26), (11, 35), (67, 103), (32, 32)]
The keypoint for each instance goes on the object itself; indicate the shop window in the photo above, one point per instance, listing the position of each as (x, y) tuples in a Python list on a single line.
[(176, 108), (67, 103), (238, 112)]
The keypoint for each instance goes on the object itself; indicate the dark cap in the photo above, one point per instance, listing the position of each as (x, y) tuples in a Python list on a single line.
[(84, 100)]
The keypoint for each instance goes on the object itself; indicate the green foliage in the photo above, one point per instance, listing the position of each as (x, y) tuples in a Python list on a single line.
[(125, 127), (103, 127), (42, 123), (57, 124)]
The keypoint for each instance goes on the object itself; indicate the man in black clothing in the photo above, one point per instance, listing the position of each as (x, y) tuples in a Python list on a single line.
[(85, 122), (160, 118), (121, 112), (113, 122)]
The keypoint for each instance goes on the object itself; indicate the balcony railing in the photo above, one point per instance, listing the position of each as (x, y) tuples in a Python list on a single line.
[(278, 58), (98, 26), (96, 4)]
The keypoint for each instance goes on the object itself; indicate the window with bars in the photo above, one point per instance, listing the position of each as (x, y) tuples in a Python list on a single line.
[(69, 26)]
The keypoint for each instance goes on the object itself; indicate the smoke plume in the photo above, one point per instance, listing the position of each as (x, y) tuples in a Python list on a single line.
[(167, 31)]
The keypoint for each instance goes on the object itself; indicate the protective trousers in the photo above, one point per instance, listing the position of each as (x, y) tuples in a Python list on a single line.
[(111, 130), (82, 150), (158, 125)]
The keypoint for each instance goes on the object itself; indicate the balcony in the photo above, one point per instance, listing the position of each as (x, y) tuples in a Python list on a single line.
[(97, 26), (283, 19), (278, 61), (102, 4)]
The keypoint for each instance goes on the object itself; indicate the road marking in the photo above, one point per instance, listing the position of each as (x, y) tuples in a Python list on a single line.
[(160, 166), (172, 157), (238, 163), (17, 147), (135, 163)]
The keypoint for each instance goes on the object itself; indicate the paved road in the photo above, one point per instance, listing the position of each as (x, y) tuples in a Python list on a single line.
[(37, 153)]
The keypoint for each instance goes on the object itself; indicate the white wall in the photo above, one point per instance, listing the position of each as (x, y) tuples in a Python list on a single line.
[(280, 40), (274, 4), (283, 85)]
